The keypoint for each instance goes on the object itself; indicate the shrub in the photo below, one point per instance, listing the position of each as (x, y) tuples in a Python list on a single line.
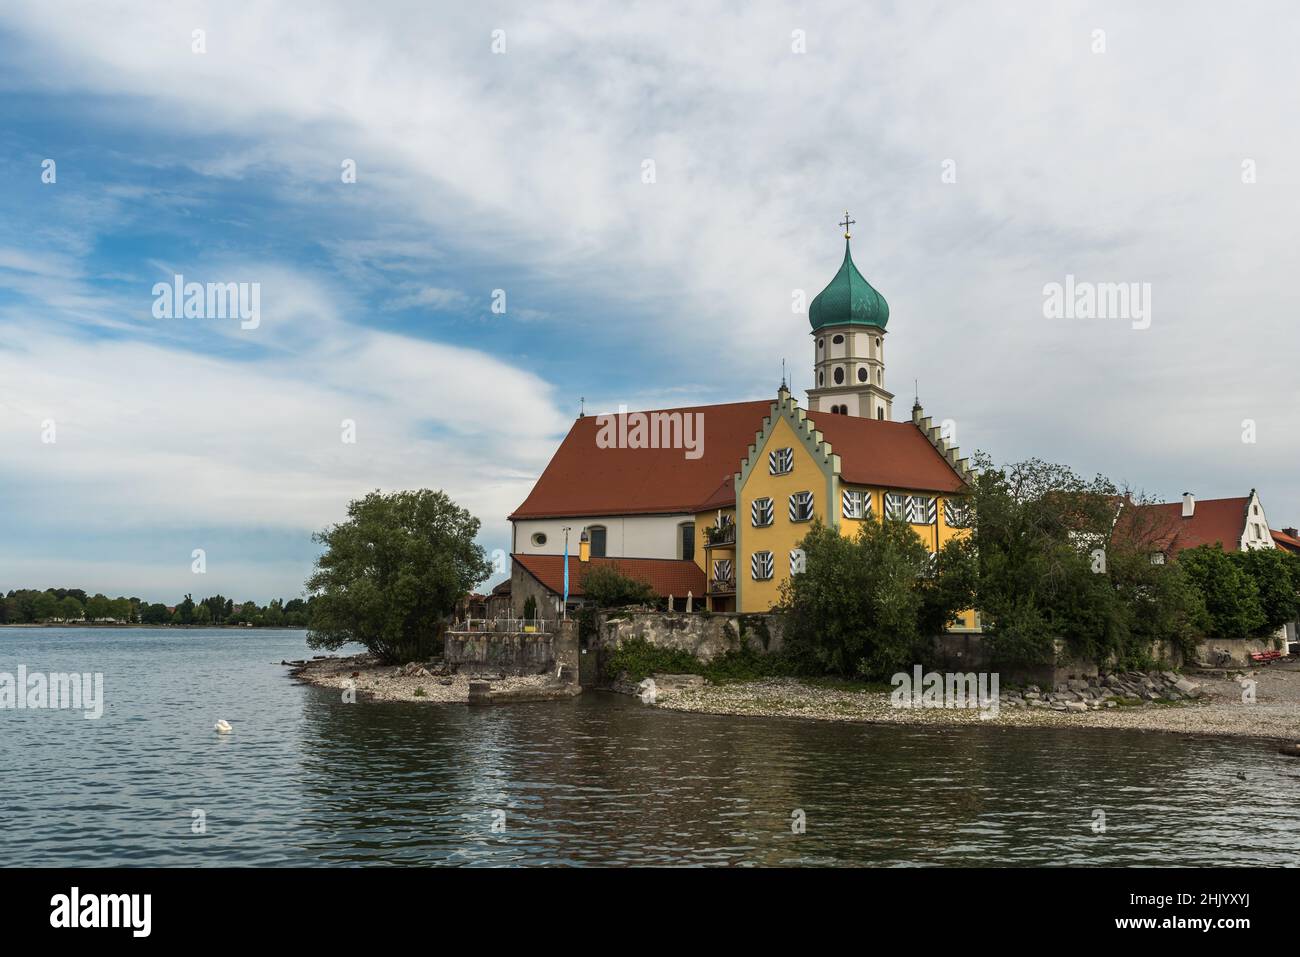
[(609, 588)]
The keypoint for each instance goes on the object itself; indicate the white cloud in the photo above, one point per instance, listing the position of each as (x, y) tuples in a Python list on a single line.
[(1121, 166)]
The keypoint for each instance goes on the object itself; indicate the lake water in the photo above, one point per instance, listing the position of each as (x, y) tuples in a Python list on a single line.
[(306, 779)]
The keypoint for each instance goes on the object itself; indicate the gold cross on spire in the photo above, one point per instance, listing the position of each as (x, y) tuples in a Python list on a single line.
[(847, 223)]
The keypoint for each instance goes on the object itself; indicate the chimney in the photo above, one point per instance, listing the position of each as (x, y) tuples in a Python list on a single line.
[(1294, 533), (1189, 505), (584, 547)]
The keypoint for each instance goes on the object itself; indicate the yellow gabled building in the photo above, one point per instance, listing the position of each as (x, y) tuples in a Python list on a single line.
[(841, 470)]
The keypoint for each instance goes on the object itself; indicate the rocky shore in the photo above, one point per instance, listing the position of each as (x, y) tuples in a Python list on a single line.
[(418, 681), (1156, 701)]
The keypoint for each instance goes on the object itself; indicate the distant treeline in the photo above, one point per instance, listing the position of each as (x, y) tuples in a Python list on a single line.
[(28, 606)]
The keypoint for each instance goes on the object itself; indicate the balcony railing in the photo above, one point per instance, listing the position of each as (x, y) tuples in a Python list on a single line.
[(498, 626), (714, 536), (721, 586)]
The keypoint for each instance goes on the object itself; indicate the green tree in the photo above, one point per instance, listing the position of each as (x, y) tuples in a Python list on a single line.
[(45, 606), (97, 607), (202, 615), (856, 608), (607, 587), (1231, 596), (1276, 574), (70, 609), (1041, 534), (155, 614), (185, 611), (392, 573), (273, 617), (119, 609)]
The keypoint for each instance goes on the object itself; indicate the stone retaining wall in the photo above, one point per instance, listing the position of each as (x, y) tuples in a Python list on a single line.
[(514, 653), (706, 636)]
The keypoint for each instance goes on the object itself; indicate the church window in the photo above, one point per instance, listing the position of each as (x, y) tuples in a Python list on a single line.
[(539, 539), (838, 340), (596, 535), (821, 378), (761, 566), (780, 461), (821, 343), (880, 412), (760, 512), (801, 507), (687, 536), (863, 374), (839, 375)]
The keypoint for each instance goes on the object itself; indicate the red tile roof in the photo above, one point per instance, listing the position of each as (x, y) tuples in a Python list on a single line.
[(1214, 521), (1289, 542), (666, 576), (724, 496), (584, 479), (888, 454)]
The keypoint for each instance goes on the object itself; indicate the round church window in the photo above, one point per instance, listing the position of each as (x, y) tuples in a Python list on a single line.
[(863, 375), (839, 375)]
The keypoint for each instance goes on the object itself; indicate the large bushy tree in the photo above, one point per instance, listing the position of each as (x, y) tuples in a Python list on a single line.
[(392, 573), (1232, 605), (857, 607), (1276, 574)]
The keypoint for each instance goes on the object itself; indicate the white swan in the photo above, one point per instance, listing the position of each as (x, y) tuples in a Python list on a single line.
[(223, 726)]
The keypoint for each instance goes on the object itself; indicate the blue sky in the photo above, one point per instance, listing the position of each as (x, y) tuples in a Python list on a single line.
[(522, 171)]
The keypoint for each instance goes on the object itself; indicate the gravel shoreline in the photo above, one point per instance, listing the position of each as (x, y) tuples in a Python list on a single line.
[(420, 682), (1219, 711)]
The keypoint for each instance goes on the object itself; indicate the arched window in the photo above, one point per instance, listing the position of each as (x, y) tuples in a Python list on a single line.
[(686, 540), (596, 533), (839, 374), (880, 412)]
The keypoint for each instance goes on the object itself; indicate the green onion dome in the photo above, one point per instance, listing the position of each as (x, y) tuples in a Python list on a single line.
[(848, 300)]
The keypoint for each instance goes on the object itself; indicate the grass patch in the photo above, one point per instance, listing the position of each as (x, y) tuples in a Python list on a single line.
[(637, 658)]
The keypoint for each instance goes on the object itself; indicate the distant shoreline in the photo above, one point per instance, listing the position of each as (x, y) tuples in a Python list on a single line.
[(107, 624)]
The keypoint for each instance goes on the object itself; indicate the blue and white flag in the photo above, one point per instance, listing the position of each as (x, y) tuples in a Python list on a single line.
[(566, 570)]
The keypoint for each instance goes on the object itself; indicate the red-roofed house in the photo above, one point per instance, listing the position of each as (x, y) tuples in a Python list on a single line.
[(715, 499), (1234, 524), (1288, 538)]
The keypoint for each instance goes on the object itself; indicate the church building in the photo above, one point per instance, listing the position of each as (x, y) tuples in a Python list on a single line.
[(723, 521)]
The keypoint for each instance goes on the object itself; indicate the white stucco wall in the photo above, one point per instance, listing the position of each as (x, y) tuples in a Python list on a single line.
[(626, 536), (1256, 533)]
